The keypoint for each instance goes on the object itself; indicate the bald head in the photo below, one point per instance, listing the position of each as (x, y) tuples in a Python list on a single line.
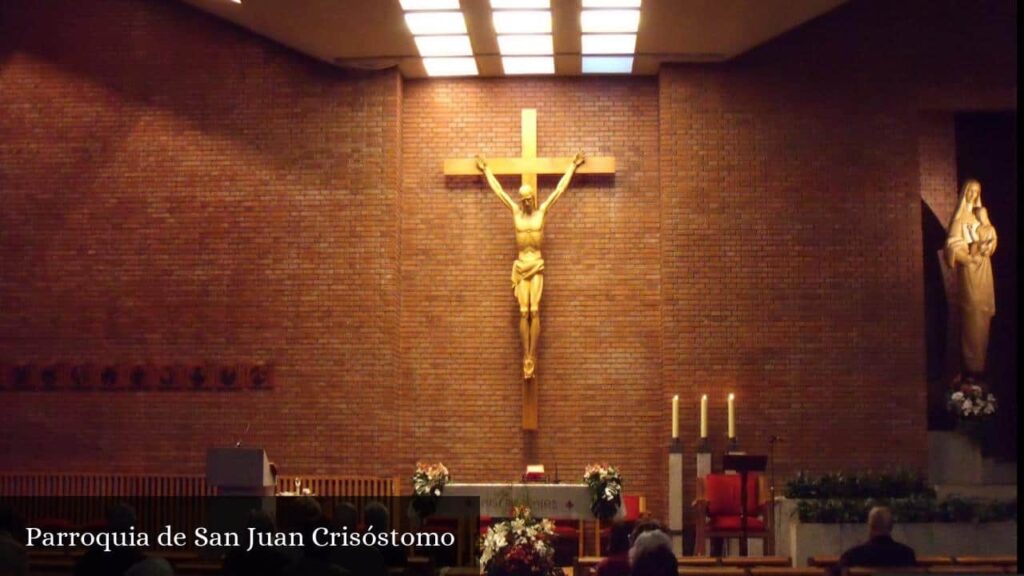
[(880, 521)]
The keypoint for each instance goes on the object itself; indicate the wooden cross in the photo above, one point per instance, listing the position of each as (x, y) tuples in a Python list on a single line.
[(529, 166)]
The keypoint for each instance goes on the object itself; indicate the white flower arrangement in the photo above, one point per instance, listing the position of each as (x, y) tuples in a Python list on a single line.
[(520, 544), (970, 401), (605, 485), (429, 479)]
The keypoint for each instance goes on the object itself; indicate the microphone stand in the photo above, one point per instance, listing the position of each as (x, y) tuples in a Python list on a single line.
[(771, 479), (238, 444)]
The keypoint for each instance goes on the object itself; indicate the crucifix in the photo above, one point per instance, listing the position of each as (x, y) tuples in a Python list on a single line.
[(528, 217)]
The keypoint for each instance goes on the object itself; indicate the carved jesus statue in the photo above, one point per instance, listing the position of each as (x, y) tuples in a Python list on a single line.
[(527, 271)]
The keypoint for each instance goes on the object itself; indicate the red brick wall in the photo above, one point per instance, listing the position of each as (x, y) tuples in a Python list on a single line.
[(791, 273), (939, 190), (798, 171), (600, 346), (178, 190), (937, 164)]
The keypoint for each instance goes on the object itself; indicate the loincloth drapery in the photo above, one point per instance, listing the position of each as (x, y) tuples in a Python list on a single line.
[(526, 269)]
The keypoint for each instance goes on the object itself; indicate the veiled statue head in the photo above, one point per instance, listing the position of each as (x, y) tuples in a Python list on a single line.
[(969, 201), (528, 196), (971, 193)]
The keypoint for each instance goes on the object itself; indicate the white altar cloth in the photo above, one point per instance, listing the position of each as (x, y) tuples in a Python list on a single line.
[(554, 501)]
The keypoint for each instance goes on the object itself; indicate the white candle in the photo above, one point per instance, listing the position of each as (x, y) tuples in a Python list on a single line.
[(732, 416), (704, 416), (675, 416)]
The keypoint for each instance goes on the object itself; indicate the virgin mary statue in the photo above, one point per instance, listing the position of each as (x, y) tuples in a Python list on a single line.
[(970, 242)]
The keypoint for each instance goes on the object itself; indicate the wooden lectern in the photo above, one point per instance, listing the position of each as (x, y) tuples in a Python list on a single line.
[(744, 464), (239, 472), (244, 475)]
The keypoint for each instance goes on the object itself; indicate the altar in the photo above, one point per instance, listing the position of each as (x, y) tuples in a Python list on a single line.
[(553, 501)]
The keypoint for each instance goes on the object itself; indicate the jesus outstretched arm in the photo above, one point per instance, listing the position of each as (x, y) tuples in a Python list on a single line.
[(481, 164), (563, 184)]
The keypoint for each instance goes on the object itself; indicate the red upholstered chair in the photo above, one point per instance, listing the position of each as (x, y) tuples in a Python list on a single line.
[(718, 510), (443, 556), (440, 525), (635, 506), (568, 541), (485, 523)]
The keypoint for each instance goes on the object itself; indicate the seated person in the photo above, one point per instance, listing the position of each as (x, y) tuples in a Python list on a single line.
[(13, 558), (315, 560), (652, 555), (378, 520), (617, 561), (362, 560), (151, 566), (98, 562), (11, 524), (261, 560), (644, 525), (880, 549)]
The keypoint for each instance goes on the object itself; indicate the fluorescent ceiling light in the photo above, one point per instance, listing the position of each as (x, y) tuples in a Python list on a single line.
[(430, 4), (443, 45), (607, 64), (450, 66), (528, 65), (609, 20), (523, 22), (426, 23), (609, 43), (525, 44), (611, 3), (519, 4)]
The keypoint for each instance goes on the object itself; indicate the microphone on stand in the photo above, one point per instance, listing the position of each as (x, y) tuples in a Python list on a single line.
[(238, 443), (772, 441)]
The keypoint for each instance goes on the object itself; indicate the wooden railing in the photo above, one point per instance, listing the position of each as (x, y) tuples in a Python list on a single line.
[(81, 501), (102, 485), (342, 486), (123, 485), (76, 501)]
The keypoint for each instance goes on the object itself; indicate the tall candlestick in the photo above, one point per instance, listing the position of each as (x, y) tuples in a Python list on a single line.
[(732, 416), (704, 416), (675, 416)]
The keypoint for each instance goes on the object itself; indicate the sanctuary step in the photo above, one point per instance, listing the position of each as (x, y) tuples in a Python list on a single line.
[(1001, 492)]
